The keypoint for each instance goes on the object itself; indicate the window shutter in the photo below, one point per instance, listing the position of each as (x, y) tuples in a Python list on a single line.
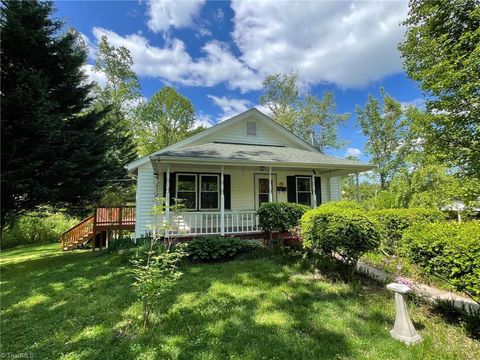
[(227, 191), (291, 190), (318, 189)]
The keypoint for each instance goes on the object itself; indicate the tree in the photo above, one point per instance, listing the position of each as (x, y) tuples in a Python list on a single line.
[(165, 119), (441, 50), (53, 146), (312, 119), (387, 135), (119, 95)]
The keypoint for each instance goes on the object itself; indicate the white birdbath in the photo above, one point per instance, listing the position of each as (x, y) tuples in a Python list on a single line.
[(403, 329)]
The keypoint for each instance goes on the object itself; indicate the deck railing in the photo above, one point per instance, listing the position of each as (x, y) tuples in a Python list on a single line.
[(210, 223), (104, 219), (74, 235), (109, 216)]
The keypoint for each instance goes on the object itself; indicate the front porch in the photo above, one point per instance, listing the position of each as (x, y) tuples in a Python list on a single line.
[(191, 224), (223, 199)]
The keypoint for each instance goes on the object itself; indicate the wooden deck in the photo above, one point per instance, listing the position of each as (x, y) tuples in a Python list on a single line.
[(99, 227)]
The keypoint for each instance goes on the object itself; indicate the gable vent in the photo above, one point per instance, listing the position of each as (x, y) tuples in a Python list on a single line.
[(251, 128)]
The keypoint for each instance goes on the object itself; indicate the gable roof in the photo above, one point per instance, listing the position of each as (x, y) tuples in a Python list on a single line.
[(222, 125)]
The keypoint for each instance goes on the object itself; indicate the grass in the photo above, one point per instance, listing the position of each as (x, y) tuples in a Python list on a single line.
[(82, 306)]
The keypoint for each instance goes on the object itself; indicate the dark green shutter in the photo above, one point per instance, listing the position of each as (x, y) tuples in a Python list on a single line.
[(318, 189), (291, 189), (227, 191)]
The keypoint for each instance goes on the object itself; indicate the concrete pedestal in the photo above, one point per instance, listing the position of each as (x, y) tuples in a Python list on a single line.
[(403, 329)]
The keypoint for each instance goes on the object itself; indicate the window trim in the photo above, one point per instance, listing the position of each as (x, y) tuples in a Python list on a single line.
[(196, 188), (303, 192), (200, 192)]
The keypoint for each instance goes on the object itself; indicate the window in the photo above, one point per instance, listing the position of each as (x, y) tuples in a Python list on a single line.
[(187, 190), (251, 128), (209, 189), (304, 190)]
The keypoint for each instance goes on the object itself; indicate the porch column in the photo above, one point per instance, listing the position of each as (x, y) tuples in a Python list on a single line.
[(270, 195), (314, 192), (222, 205), (167, 202), (357, 187)]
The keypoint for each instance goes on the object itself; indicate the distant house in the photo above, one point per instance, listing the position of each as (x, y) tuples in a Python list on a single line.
[(224, 173)]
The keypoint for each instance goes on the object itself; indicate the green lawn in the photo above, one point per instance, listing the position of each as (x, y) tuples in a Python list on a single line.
[(82, 306)]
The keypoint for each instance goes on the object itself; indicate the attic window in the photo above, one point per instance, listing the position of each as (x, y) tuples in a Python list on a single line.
[(251, 128)]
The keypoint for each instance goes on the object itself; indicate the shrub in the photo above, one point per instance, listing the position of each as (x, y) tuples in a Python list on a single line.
[(345, 204), (36, 228), (215, 248), (280, 216), (447, 250), (395, 221), (333, 230)]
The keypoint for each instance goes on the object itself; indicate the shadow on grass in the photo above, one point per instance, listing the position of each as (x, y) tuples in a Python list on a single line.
[(83, 306), (451, 315)]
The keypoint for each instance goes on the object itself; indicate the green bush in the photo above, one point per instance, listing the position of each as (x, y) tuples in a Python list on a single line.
[(216, 248), (448, 250), (335, 230), (36, 228), (280, 216), (345, 204), (395, 221)]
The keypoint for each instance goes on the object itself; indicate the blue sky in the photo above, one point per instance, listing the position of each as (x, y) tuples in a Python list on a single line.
[(217, 53)]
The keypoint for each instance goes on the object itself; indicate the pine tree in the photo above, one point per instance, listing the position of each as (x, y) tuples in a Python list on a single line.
[(53, 144)]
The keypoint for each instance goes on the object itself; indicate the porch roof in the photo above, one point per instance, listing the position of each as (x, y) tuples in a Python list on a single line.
[(244, 154)]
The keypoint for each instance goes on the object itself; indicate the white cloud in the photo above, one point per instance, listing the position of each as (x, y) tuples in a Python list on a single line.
[(97, 76), (353, 152), (230, 106), (204, 120), (164, 14), (418, 103), (219, 15), (338, 42), (172, 62), (347, 44)]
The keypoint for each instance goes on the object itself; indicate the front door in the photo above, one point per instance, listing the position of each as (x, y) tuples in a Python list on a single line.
[(261, 189)]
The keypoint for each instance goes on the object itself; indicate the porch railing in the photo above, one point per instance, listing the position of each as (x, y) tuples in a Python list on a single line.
[(210, 223)]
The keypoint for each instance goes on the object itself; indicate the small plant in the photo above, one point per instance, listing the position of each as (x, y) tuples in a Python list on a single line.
[(156, 262), (217, 248), (339, 233)]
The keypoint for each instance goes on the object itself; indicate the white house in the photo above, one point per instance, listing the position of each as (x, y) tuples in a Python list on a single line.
[(224, 173)]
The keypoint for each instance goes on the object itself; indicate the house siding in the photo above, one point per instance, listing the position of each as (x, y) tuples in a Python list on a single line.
[(236, 133), (145, 199)]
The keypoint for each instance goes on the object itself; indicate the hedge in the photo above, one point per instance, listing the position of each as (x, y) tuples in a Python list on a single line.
[(281, 216), (216, 248), (448, 250), (336, 230), (395, 221), (346, 204)]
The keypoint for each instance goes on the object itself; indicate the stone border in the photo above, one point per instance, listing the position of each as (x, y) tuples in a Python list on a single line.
[(429, 293)]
